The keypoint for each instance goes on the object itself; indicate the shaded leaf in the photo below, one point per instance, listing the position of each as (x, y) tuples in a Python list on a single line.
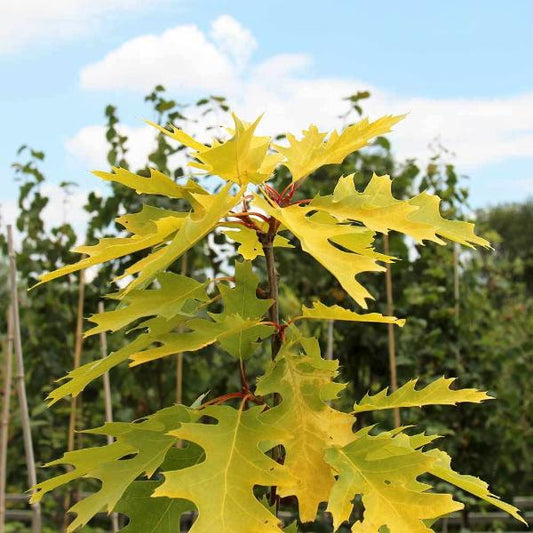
[(436, 393)]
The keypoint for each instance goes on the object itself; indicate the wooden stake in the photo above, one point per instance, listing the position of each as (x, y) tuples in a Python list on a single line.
[(78, 345), (19, 381), (456, 293), (390, 331), (179, 357), (4, 427), (107, 400)]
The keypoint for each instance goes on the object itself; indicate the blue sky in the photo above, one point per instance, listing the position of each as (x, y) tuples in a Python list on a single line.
[(462, 70)]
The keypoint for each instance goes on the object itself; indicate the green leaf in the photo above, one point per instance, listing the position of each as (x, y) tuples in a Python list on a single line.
[(241, 300), (151, 515), (442, 469), (221, 487), (319, 311), (148, 442), (76, 380), (305, 384), (436, 393), (166, 301), (201, 333)]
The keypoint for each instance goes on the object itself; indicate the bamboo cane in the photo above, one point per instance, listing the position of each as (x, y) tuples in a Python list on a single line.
[(78, 345), (107, 401), (19, 381), (390, 331), (4, 428), (179, 357)]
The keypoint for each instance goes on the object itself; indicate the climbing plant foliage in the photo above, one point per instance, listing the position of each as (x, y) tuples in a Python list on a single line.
[(233, 458)]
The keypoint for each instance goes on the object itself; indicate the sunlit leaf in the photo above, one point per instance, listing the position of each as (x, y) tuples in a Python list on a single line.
[(378, 210), (320, 311), (305, 384), (313, 150), (243, 158), (221, 487)]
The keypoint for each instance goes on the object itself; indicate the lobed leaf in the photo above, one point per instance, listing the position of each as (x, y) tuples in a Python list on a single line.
[(158, 183), (166, 301), (306, 385), (436, 393), (378, 210), (139, 449), (342, 249), (320, 311), (384, 471), (304, 156), (243, 158), (221, 487)]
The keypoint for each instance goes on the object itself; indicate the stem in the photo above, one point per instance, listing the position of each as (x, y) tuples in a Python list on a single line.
[(267, 241), (390, 331)]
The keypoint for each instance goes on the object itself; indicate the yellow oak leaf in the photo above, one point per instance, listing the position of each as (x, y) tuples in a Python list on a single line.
[(320, 311), (158, 183), (304, 156), (384, 471), (112, 248), (306, 384), (222, 486), (342, 249), (442, 469), (378, 210), (243, 158), (208, 209)]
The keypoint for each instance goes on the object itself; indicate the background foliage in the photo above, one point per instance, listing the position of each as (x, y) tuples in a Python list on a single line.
[(484, 337)]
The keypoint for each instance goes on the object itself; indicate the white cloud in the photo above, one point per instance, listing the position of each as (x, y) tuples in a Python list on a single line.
[(61, 207), (233, 39), (89, 145), (190, 62), (28, 21), (184, 58)]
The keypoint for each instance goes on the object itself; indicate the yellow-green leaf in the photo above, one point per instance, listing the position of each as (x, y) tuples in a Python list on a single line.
[(249, 246), (208, 209), (378, 210), (166, 301), (138, 450), (112, 248), (320, 311), (243, 158), (436, 393), (384, 471), (222, 486), (76, 380), (322, 237), (312, 151), (158, 183), (442, 469), (306, 384)]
